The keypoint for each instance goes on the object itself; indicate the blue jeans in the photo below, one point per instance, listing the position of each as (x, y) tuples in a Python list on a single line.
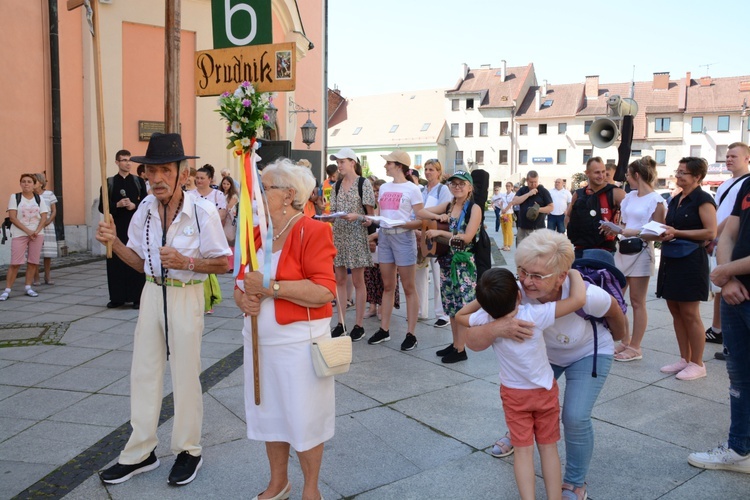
[(497, 219), (556, 222), (581, 392), (735, 322)]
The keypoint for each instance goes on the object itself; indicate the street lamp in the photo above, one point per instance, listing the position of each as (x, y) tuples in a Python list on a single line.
[(309, 128)]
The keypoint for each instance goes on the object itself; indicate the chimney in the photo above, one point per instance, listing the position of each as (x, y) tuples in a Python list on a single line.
[(744, 86), (503, 70), (464, 71), (592, 87), (706, 81), (661, 81), (538, 102), (544, 89), (689, 78)]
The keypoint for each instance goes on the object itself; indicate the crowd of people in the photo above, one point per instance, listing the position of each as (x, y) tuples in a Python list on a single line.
[(374, 237)]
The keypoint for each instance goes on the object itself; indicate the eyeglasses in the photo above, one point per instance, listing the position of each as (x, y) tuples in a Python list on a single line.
[(458, 185), (535, 278), (680, 173)]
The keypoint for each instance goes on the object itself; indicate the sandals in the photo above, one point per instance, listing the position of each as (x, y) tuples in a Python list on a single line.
[(628, 354), (502, 447), (570, 492), (52, 282)]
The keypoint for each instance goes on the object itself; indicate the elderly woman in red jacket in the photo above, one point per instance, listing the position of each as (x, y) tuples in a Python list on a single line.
[(297, 408)]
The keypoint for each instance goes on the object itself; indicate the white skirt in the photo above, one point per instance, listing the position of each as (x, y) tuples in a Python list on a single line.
[(296, 406), (638, 264)]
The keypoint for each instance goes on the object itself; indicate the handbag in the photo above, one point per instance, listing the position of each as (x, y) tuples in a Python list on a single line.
[(331, 356), (629, 246), (677, 249)]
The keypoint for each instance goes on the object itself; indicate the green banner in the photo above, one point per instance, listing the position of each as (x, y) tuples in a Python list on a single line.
[(238, 23)]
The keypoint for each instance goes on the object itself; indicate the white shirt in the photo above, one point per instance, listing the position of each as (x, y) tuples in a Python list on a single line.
[(507, 198), (396, 200), (560, 200), (28, 213), (724, 209), (571, 338), (145, 233), (523, 365), (215, 196), (637, 211), (436, 196)]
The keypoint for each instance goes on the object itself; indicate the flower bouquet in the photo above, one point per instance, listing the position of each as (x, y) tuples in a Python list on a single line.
[(245, 112)]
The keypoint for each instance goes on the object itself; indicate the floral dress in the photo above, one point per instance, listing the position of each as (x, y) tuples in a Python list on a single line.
[(458, 273), (350, 238)]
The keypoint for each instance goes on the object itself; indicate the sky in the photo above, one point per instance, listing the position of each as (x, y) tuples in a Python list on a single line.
[(385, 46)]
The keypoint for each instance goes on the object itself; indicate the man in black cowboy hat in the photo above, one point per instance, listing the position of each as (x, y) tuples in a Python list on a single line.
[(176, 239)]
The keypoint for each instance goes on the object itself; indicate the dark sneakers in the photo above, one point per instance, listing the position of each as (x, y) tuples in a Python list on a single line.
[(120, 473), (184, 469), (455, 356), (441, 323), (714, 337), (445, 351), (338, 331), (409, 343), (357, 333), (380, 336)]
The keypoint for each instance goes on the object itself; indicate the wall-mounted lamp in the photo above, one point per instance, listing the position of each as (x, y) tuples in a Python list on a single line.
[(309, 128)]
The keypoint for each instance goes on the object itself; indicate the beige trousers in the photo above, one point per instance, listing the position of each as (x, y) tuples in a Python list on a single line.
[(185, 313)]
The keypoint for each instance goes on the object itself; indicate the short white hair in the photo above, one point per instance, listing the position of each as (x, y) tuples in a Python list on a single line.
[(285, 173), (550, 248)]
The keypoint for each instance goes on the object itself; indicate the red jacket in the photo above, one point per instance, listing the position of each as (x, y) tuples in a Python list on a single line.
[(308, 253)]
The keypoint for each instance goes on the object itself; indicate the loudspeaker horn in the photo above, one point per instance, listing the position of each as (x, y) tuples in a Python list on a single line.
[(628, 106), (603, 133)]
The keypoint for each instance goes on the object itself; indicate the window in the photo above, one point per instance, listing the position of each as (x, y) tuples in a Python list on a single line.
[(662, 124), (357, 130), (562, 128), (695, 151), (469, 130), (483, 129), (417, 159), (587, 126), (480, 157), (523, 156), (523, 129), (503, 128), (469, 103), (542, 129), (459, 157), (696, 125), (454, 129), (454, 104), (723, 123), (636, 153), (503, 158), (335, 131), (562, 156), (425, 127), (364, 161), (393, 129), (587, 155), (721, 153), (660, 155)]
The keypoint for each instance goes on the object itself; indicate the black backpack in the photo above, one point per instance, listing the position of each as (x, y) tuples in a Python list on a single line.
[(6, 222)]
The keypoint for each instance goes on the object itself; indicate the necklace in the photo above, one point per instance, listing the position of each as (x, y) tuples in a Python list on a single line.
[(148, 239), (278, 235)]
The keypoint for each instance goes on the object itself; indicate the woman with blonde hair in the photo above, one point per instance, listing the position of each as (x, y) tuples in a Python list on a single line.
[(297, 408), (49, 248)]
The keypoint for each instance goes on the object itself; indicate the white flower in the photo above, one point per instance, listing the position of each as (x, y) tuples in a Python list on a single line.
[(239, 93), (236, 127), (245, 141), (244, 119), (250, 90)]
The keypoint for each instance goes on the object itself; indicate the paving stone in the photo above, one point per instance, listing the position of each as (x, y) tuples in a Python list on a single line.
[(83, 379), (28, 374), (17, 476), (97, 409), (38, 404), (9, 427), (67, 355)]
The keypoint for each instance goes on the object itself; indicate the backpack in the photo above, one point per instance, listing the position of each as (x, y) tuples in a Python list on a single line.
[(482, 248), (6, 222), (583, 228), (606, 280), (372, 227)]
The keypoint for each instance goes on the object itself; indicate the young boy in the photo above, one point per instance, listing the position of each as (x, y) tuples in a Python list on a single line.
[(528, 388)]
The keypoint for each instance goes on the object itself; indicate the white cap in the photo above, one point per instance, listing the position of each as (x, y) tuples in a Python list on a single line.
[(344, 153)]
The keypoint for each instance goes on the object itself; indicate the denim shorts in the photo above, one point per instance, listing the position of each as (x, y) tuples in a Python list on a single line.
[(399, 248)]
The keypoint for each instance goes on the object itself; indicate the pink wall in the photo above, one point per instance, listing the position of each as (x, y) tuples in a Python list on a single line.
[(143, 84)]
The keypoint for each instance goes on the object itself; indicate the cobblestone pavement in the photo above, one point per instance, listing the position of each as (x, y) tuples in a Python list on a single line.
[(407, 426)]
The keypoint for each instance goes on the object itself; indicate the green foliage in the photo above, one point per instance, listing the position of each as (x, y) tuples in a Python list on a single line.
[(245, 113)]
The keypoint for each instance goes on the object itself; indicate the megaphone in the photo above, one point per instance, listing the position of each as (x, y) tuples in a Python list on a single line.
[(603, 133), (622, 106)]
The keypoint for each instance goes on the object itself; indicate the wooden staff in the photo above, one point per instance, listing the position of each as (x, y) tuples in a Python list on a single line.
[(94, 28)]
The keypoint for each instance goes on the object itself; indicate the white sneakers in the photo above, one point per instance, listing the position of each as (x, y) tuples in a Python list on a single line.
[(721, 458)]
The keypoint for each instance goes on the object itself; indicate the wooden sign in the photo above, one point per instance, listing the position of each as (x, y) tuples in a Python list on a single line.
[(271, 68)]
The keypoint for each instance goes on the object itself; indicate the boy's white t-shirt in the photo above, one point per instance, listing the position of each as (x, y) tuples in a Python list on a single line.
[(29, 213), (395, 201), (523, 365), (571, 338)]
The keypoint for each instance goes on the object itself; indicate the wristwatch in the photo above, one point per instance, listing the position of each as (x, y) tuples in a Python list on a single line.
[(191, 265), (276, 289)]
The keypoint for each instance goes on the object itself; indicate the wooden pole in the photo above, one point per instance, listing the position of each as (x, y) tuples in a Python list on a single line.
[(172, 27)]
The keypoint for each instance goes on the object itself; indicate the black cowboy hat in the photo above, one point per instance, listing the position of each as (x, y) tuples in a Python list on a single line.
[(163, 148)]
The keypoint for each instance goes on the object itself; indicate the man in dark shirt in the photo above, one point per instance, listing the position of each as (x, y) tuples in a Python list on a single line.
[(733, 276), (535, 202), (125, 194)]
